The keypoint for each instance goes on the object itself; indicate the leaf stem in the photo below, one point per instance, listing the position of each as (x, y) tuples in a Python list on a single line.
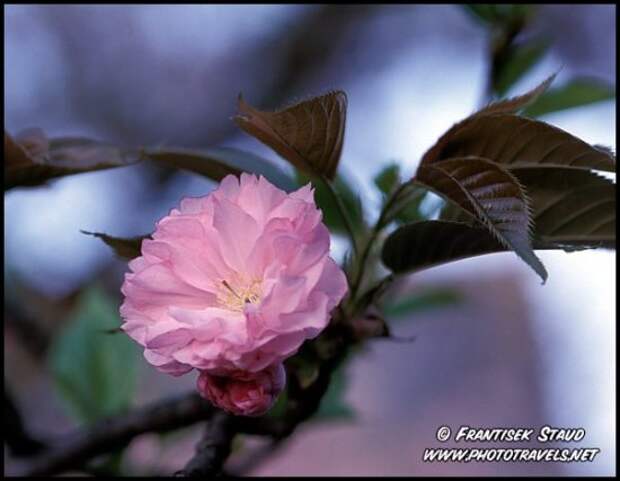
[(361, 267), (343, 212)]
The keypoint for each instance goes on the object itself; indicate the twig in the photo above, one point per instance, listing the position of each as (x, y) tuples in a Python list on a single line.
[(379, 225), (116, 432), (213, 448), (302, 404), (255, 458)]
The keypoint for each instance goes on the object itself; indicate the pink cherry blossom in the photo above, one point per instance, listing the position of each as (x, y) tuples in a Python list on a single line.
[(232, 281), (243, 393)]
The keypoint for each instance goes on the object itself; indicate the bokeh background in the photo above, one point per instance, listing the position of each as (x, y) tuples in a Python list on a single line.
[(498, 349)]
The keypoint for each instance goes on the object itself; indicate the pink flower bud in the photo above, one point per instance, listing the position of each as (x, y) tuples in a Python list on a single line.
[(243, 393)]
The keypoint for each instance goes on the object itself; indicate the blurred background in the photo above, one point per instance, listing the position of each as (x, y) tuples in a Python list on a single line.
[(493, 347)]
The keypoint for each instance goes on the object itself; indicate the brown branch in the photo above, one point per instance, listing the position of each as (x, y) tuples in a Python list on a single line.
[(113, 433), (213, 448), (329, 350)]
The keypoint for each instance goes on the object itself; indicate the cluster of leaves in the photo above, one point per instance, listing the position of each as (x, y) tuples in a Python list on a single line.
[(513, 53), (509, 182)]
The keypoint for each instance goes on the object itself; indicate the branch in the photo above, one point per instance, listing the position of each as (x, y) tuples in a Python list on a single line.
[(113, 433), (213, 448)]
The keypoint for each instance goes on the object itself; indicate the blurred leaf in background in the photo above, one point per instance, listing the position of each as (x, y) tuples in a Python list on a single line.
[(333, 406), (421, 300), (410, 208), (512, 60), (577, 92), (350, 198), (519, 60), (94, 371)]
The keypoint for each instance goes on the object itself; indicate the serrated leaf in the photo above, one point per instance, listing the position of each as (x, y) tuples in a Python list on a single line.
[(511, 105), (506, 106), (492, 194), (515, 141), (519, 60), (309, 134), (576, 93), (94, 372), (217, 163), (572, 210), (32, 159), (128, 248)]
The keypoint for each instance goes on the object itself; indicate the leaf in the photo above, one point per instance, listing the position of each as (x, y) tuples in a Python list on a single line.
[(572, 210), (492, 194), (331, 214), (511, 105), (217, 163), (506, 106), (388, 179), (309, 134), (333, 405), (428, 243), (498, 13), (33, 160), (128, 248), (421, 301), (481, 11), (576, 93), (515, 141), (94, 372), (519, 60), (408, 206)]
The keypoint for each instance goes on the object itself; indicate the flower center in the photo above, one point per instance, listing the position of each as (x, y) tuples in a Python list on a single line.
[(235, 298)]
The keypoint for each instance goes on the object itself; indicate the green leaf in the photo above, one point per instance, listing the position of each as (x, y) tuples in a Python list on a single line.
[(482, 12), (519, 60), (333, 405), (128, 248), (420, 301), (388, 179), (491, 194), (94, 372), (217, 163), (32, 159), (331, 215), (407, 207), (515, 141), (309, 134), (576, 93)]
